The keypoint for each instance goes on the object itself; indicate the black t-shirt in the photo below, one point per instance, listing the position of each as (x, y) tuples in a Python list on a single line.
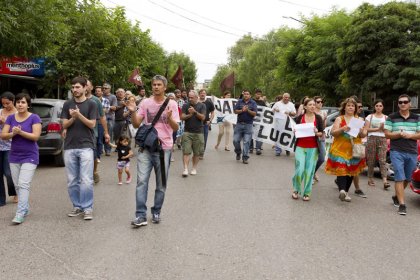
[(209, 108), (194, 124), (119, 113), (122, 152), (260, 102), (78, 135)]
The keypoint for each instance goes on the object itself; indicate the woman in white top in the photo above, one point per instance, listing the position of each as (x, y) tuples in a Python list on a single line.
[(376, 143)]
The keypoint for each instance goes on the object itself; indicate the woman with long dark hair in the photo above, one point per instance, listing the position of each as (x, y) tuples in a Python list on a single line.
[(306, 152), (340, 157), (24, 128), (7, 100), (376, 144)]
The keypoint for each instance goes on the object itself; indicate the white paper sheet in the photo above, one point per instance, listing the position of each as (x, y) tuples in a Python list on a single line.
[(355, 125), (304, 130)]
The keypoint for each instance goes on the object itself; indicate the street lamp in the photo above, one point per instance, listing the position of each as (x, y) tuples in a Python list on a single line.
[(295, 19)]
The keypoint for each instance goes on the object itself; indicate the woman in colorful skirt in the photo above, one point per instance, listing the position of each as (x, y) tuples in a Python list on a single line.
[(306, 152), (341, 162), (376, 144)]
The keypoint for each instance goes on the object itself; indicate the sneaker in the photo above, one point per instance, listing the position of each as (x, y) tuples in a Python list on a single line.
[(238, 156), (347, 198), (75, 212), (107, 154), (287, 153), (98, 160), (342, 195), (402, 210), (193, 172), (245, 161), (139, 221), (156, 218), (360, 193), (395, 201), (119, 183), (87, 215), (278, 154), (258, 152), (251, 151), (185, 173), (18, 220), (128, 180), (172, 159)]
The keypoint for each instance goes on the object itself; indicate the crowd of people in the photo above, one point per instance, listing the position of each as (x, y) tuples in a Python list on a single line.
[(97, 123)]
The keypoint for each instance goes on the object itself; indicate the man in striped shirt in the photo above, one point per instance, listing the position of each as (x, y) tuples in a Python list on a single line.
[(403, 129)]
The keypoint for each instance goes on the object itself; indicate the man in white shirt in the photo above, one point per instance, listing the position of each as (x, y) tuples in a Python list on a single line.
[(286, 107)]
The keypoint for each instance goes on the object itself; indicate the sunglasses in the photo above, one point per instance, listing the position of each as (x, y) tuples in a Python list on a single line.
[(319, 101), (403, 102)]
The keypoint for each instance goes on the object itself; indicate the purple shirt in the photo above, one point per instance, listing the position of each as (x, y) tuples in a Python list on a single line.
[(23, 150)]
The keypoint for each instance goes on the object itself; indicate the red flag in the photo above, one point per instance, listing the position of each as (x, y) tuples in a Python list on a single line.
[(135, 77), (178, 78), (228, 82)]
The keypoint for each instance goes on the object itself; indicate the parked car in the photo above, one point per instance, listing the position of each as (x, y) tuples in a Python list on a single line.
[(331, 117), (50, 143)]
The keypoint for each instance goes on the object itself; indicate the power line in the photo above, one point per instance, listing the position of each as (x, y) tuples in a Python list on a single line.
[(192, 20), (164, 23), (206, 18), (301, 5)]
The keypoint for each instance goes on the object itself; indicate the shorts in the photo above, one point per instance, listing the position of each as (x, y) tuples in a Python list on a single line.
[(123, 164), (404, 165), (192, 143)]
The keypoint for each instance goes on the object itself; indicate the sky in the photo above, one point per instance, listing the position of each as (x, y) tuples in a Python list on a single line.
[(205, 30)]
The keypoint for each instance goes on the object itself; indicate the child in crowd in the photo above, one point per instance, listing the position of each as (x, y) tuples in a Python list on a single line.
[(124, 155)]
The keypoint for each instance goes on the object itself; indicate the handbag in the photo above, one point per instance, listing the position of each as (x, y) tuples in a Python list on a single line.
[(147, 135), (358, 150)]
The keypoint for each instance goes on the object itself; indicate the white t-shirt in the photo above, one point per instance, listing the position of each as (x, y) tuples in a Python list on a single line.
[(376, 123), (289, 107)]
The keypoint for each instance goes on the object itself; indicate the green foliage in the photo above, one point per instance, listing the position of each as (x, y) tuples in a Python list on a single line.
[(188, 66), (83, 38), (381, 51)]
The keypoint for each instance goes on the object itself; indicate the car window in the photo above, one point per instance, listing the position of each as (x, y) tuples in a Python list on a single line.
[(42, 110)]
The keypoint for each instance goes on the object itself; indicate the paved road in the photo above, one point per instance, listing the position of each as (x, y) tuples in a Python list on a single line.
[(231, 221)]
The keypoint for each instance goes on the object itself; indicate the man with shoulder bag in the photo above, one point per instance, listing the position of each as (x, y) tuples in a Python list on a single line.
[(150, 156)]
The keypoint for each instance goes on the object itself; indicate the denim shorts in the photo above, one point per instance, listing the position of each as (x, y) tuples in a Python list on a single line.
[(404, 165), (123, 164)]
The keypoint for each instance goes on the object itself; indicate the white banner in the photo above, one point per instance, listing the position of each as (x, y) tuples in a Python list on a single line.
[(267, 129)]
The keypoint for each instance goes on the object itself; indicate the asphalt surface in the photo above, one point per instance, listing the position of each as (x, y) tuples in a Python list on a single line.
[(230, 221)]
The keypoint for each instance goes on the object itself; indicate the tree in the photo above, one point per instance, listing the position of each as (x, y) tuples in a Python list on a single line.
[(188, 66), (380, 52), (309, 64)]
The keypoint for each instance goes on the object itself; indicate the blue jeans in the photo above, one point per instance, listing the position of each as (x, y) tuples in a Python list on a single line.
[(242, 132), (5, 171), (321, 156), (258, 145), (147, 161), (206, 134), (110, 123), (99, 141), (22, 174), (404, 165), (79, 168)]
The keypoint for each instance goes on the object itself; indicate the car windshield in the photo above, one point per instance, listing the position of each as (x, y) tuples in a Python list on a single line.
[(42, 110)]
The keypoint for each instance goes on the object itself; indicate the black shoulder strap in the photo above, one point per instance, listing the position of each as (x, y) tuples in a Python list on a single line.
[(159, 113)]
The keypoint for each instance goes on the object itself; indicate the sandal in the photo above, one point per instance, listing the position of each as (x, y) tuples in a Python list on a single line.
[(295, 195), (227, 149), (306, 197), (316, 178), (386, 185), (371, 183)]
